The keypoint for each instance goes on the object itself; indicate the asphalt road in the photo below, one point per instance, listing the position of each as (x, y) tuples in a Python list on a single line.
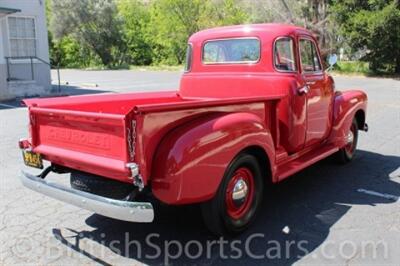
[(327, 214)]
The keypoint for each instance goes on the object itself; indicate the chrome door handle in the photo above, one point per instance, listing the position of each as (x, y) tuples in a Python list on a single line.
[(303, 90)]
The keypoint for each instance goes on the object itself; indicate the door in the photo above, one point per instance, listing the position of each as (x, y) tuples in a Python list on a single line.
[(316, 90), (292, 109)]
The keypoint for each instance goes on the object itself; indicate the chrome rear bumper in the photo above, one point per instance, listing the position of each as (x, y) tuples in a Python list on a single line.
[(118, 209)]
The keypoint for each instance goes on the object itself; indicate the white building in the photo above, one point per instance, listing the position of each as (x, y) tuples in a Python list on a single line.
[(24, 50)]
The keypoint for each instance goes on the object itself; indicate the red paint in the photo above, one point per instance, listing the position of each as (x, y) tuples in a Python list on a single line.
[(184, 140), (346, 105), (196, 154)]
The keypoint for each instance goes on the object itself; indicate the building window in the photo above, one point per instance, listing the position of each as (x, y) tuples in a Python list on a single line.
[(232, 51), (22, 36)]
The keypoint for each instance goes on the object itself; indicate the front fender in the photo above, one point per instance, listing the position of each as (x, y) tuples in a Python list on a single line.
[(192, 159), (346, 105)]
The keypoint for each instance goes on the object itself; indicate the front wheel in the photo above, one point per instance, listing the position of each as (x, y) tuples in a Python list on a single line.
[(346, 154), (238, 198)]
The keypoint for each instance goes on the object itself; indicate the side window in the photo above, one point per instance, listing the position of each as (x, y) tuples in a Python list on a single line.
[(309, 56), (284, 55), (189, 56)]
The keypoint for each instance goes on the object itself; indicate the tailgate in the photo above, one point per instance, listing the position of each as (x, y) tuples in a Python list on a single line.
[(86, 141)]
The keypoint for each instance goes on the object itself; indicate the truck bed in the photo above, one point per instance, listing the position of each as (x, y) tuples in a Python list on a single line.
[(110, 103), (100, 134)]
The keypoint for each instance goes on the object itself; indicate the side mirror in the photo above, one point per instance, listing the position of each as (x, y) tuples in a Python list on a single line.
[(332, 60)]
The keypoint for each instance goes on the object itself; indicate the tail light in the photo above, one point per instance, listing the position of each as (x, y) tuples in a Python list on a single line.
[(24, 144)]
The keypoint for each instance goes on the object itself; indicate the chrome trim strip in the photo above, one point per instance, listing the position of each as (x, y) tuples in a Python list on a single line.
[(122, 210)]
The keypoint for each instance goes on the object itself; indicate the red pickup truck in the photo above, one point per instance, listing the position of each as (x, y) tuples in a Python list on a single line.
[(255, 105)]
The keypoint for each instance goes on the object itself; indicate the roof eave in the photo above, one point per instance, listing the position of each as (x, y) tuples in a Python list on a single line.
[(4, 11)]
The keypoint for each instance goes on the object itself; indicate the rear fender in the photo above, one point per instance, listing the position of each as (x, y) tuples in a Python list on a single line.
[(192, 159), (346, 105)]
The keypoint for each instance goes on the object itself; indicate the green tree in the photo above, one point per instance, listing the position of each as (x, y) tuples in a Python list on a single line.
[(94, 24), (314, 15), (373, 26), (225, 12), (171, 23), (136, 18), (68, 52)]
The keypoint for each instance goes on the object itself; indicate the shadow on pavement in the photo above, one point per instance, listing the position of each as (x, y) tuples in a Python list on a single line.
[(65, 91), (309, 204)]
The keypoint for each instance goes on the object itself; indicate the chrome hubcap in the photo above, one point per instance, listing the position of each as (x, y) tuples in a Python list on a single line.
[(350, 137), (240, 191)]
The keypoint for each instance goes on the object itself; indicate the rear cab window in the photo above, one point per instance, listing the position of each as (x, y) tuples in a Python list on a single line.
[(232, 51), (284, 56)]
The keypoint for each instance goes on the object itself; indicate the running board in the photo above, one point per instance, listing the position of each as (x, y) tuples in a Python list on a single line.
[(289, 168)]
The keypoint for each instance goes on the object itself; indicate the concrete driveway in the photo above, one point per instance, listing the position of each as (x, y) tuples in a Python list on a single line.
[(327, 214)]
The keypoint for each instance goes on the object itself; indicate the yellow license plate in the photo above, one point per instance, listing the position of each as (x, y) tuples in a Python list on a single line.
[(32, 159)]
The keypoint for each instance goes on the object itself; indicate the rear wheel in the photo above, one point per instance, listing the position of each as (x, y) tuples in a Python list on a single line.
[(238, 198), (346, 154)]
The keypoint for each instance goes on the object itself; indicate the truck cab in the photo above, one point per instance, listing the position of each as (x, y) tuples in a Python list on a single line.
[(255, 105), (244, 61)]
